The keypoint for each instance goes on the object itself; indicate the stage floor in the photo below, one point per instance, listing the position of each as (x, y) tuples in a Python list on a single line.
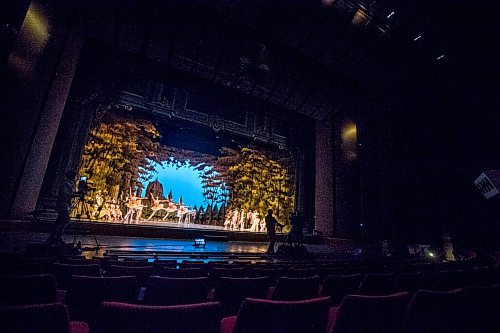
[(158, 245), (179, 249)]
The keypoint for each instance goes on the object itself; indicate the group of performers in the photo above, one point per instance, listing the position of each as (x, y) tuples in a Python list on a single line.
[(181, 212), (167, 209), (111, 210), (239, 220)]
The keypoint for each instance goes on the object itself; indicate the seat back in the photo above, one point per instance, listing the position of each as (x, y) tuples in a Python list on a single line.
[(173, 291), (436, 311), (295, 272), (182, 272), (142, 273), (27, 289), (374, 314), (272, 273), (337, 286), (64, 272), (40, 318), (130, 263), (159, 264), (133, 318), (87, 292), (231, 292), (377, 284), (481, 308), (218, 272), (410, 282), (80, 261), (445, 280), (294, 289), (195, 264), (264, 316), (21, 269), (331, 270)]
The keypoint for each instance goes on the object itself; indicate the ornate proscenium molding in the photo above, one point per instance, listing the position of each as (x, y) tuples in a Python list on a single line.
[(216, 123), (176, 103), (107, 105)]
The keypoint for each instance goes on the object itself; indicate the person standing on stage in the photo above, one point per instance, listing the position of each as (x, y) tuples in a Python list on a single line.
[(65, 193), (271, 224)]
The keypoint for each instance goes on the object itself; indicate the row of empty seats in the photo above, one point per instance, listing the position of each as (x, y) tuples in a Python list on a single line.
[(390, 282), (165, 296), (457, 311), (87, 293)]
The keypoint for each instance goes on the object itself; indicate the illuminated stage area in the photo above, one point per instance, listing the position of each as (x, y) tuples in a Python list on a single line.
[(216, 248), (132, 173)]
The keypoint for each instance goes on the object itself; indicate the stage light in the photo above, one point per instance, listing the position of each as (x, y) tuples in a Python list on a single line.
[(440, 57), (390, 15), (349, 140), (361, 18), (417, 38), (431, 254), (199, 242), (349, 133), (32, 40)]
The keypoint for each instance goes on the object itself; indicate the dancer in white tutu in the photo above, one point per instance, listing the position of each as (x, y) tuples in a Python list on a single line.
[(157, 206)]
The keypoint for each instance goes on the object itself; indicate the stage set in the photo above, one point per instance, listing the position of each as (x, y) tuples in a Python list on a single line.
[(124, 157), (153, 211), (176, 153)]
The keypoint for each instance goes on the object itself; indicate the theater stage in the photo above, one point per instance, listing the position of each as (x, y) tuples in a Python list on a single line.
[(130, 241)]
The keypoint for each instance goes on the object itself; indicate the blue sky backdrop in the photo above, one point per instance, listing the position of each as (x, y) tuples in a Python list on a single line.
[(184, 181)]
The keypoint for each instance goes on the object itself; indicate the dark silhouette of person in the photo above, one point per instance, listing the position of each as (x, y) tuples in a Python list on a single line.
[(295, 236), (271, 224), (63, 206)]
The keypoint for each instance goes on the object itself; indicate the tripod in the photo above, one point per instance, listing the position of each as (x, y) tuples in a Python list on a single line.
[(79, 208)]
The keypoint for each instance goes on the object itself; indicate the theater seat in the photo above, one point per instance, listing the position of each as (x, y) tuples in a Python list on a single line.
[(218, 272), (456, 311), (87, 292), (133, 318), (265, 316), (29, 289), (337, 286), (182, 272), (294, 289), (374, 314), (272, 273), (302, 272), (142, 273), (64, 272), (21, 269), (39, 318), (378, 284), (174, 291), (231, 292)]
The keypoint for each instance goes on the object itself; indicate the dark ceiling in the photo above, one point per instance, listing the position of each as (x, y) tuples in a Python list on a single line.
[(310, 57)]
